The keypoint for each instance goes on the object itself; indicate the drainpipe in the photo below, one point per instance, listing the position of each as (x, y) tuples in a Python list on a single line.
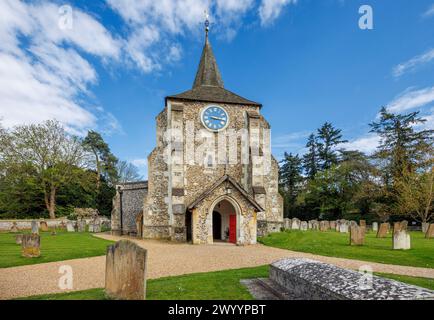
[(120, 209)]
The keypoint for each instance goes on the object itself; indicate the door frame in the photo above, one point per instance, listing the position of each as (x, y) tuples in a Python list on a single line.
[(237, 208)]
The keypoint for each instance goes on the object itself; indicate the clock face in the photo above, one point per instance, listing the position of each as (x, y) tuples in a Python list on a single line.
[(215, 118)]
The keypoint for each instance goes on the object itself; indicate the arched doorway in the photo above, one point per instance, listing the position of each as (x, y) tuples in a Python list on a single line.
[(224, 221)]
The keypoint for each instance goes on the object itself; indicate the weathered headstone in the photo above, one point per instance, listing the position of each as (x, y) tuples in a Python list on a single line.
[(295, 224), (309, 224), (81, 225), (430, 232), (383, 230), (333, 225), (400, 226), (338, 226), (125, 276), (287, 224), (70, 226), (401, 240), (353, 223), (14, 227), (44, 226), (357, 235), (322, 226), (303, 226), (362, 223), (35, 227), (425, 227), (62, 225), (19, 238), (343, 228), (31, 245), (375, 226)]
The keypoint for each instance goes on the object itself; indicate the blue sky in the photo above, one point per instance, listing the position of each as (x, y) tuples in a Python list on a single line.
[(307, 61)]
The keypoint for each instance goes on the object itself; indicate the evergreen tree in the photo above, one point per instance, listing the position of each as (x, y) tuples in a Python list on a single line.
[(328, 139), (310, 159), (290, 181)]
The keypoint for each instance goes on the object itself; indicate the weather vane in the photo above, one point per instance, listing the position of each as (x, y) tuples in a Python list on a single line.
[(206, 22)]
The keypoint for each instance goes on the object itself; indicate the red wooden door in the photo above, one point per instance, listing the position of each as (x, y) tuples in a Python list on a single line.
[(233, 228)]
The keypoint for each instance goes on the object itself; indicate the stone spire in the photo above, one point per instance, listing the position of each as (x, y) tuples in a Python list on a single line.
[(208, 73)]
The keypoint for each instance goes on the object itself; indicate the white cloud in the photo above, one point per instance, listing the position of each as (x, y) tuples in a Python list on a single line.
[(429, 12), (43, 73), (366, 144), (413, 63), (270, 10), (411, 99)]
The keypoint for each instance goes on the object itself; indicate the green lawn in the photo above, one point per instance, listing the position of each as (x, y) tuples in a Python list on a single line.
[(335, 244), (63, 246), (220, 285)]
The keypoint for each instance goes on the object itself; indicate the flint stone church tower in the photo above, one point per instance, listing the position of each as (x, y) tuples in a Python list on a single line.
[(192, 194)]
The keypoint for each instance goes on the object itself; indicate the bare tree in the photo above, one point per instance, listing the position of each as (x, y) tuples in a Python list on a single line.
[(55, 155), (127, 172)]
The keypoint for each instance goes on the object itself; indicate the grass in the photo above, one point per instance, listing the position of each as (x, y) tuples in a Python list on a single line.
[(219, 285), (63, 246), (335, 244)]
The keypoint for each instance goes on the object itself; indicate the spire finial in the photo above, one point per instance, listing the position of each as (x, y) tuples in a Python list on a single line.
[(206, 22)]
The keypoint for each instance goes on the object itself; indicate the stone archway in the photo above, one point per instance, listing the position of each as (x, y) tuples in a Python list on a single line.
[(228, 218)]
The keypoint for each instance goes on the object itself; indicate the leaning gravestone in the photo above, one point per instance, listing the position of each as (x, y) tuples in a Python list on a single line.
[(303, 226), (430, 232), (70, 226), (383, 230), (14, 227), (19, 238), (357, 235), (375, 226), (31, 245), (44, 226), (295, 224), (35, 227), (81, 226), (125, 275), (401, 240)]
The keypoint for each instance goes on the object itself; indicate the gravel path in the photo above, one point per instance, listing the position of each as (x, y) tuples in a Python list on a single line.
[(167, 259)]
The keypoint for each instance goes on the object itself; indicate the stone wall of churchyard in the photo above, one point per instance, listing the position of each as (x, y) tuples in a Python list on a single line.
[(133, 195), (26, 224), (246, 219)]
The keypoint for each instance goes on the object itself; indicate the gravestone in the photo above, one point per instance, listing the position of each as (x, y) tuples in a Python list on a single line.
[(425, 227), (287, 224), (400, 226), (31, 245), (70, 226), (333, 225), (375, 226), (353, 223), (95, 226), (322, 226), (19, 238), (125, 276), (401, 240), (35, 227), (14, 227), (295, 224), (303, 226), (44, 226), (362, 223), (62, 225), (343, 228), (309, 224), (430, 232), (81, 226), (338, 226), (315, 225), (357, 235), (383, 230)]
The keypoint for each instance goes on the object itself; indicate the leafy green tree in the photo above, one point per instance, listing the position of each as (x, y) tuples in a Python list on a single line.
[(328, 139), (290, 181), (311, 158)]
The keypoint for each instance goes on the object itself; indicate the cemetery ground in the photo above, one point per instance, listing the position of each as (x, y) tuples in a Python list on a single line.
[(335, 244), (63, 246), (184, 271)]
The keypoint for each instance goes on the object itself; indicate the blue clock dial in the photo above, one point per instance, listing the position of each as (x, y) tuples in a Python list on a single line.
[(215, 118)]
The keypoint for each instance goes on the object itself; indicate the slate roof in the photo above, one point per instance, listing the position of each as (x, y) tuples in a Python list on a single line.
[(217, 184), (208, 85)]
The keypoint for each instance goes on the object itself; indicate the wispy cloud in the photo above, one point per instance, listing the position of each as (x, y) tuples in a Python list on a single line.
[(413, 63), (270, 10), (429, 12), (411, 99)]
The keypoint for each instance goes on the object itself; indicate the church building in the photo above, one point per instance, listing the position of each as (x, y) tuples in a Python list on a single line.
[(211, 176)]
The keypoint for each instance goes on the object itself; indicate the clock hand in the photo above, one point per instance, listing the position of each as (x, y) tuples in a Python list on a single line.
[(217, 118)]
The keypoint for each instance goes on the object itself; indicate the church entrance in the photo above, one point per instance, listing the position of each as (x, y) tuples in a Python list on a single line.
[(224, 222)]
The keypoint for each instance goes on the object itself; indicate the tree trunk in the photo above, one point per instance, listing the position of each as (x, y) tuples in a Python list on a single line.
[(52, 204)]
